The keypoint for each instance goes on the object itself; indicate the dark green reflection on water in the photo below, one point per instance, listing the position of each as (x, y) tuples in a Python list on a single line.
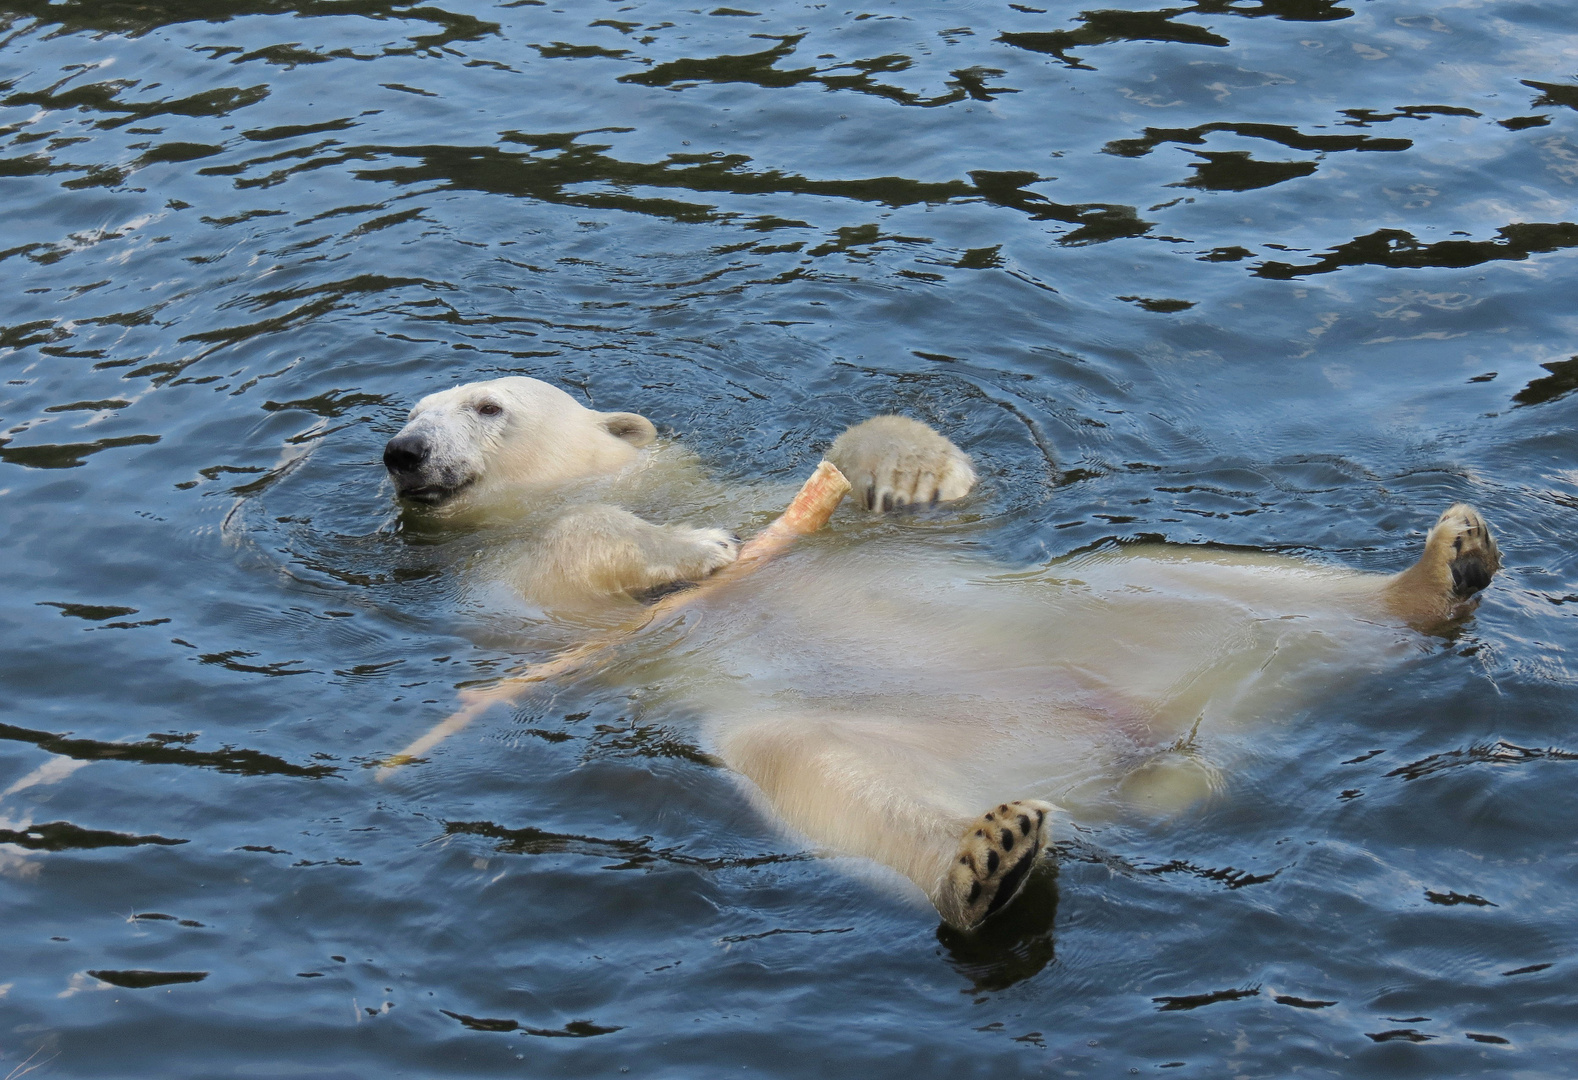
[(1235, 170), (1563, 379), (64, 836), (1553, 94), (139, 17), (760, 69), (105, 98), (1280, 134), (1400, 248), (628, 854), (559, 162), (68, 455), (165, 750), (1106, 26)]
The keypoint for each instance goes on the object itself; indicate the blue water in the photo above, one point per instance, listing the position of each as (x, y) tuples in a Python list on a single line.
[(1290, 275)]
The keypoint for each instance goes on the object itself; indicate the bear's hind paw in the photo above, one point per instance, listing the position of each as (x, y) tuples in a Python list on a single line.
[(995, 857), (1474, 558)]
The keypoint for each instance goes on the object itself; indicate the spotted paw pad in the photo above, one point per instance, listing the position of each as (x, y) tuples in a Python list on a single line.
[(995, 857)]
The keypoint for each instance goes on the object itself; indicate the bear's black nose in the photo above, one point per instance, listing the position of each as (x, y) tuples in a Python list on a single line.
[(405, 453)]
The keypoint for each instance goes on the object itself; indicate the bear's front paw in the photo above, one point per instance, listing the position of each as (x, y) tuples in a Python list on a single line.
[(994, 859), (715, 549), (894, 462), (688, 555)]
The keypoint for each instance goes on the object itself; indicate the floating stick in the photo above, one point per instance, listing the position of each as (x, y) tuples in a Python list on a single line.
[(818, 497)]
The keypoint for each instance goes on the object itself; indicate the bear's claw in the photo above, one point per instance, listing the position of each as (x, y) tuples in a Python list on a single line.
[(995, 857)]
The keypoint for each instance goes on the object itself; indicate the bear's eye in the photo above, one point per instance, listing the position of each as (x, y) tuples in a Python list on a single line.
[(488, 408)]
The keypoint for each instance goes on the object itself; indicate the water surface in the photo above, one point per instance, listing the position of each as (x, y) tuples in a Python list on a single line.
[(1289, 275)]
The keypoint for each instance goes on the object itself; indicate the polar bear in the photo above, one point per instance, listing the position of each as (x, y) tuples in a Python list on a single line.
[(902, 699)]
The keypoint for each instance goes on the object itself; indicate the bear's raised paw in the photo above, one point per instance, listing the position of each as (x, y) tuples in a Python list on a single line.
[(893, 463), (1459, 560), (1474, 557), (996, 855)]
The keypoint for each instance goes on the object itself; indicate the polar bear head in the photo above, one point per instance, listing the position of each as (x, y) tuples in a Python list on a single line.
[(488, 437)]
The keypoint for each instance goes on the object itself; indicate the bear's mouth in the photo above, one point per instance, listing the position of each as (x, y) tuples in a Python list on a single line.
[(431, 494)]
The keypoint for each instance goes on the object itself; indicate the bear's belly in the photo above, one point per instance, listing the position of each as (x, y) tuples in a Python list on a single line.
[(1064, 682)]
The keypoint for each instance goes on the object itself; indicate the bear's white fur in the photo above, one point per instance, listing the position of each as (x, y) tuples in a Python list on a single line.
[(485, 449), (898, 698), (597, 552), (488, 438)]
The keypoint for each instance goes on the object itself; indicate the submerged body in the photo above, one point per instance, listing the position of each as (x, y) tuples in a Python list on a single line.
[(901, 700), (879, 697)]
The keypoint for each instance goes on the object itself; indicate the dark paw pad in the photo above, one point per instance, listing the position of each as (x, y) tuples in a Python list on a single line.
[(1470, 573), (996, 856)]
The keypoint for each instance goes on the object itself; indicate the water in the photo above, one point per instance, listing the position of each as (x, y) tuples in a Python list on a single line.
[(1291, 276)]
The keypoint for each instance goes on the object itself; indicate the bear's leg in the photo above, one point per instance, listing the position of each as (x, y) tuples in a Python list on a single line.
[(873, 787), (601, 551), (1459, 560)]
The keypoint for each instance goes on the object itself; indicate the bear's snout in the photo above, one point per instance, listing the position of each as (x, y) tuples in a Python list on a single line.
[(405, 453)]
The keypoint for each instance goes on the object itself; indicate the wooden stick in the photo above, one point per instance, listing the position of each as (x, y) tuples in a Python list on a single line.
[(810, 509)]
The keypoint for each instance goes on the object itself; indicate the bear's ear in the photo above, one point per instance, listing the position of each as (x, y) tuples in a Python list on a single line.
[(635, 430)]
